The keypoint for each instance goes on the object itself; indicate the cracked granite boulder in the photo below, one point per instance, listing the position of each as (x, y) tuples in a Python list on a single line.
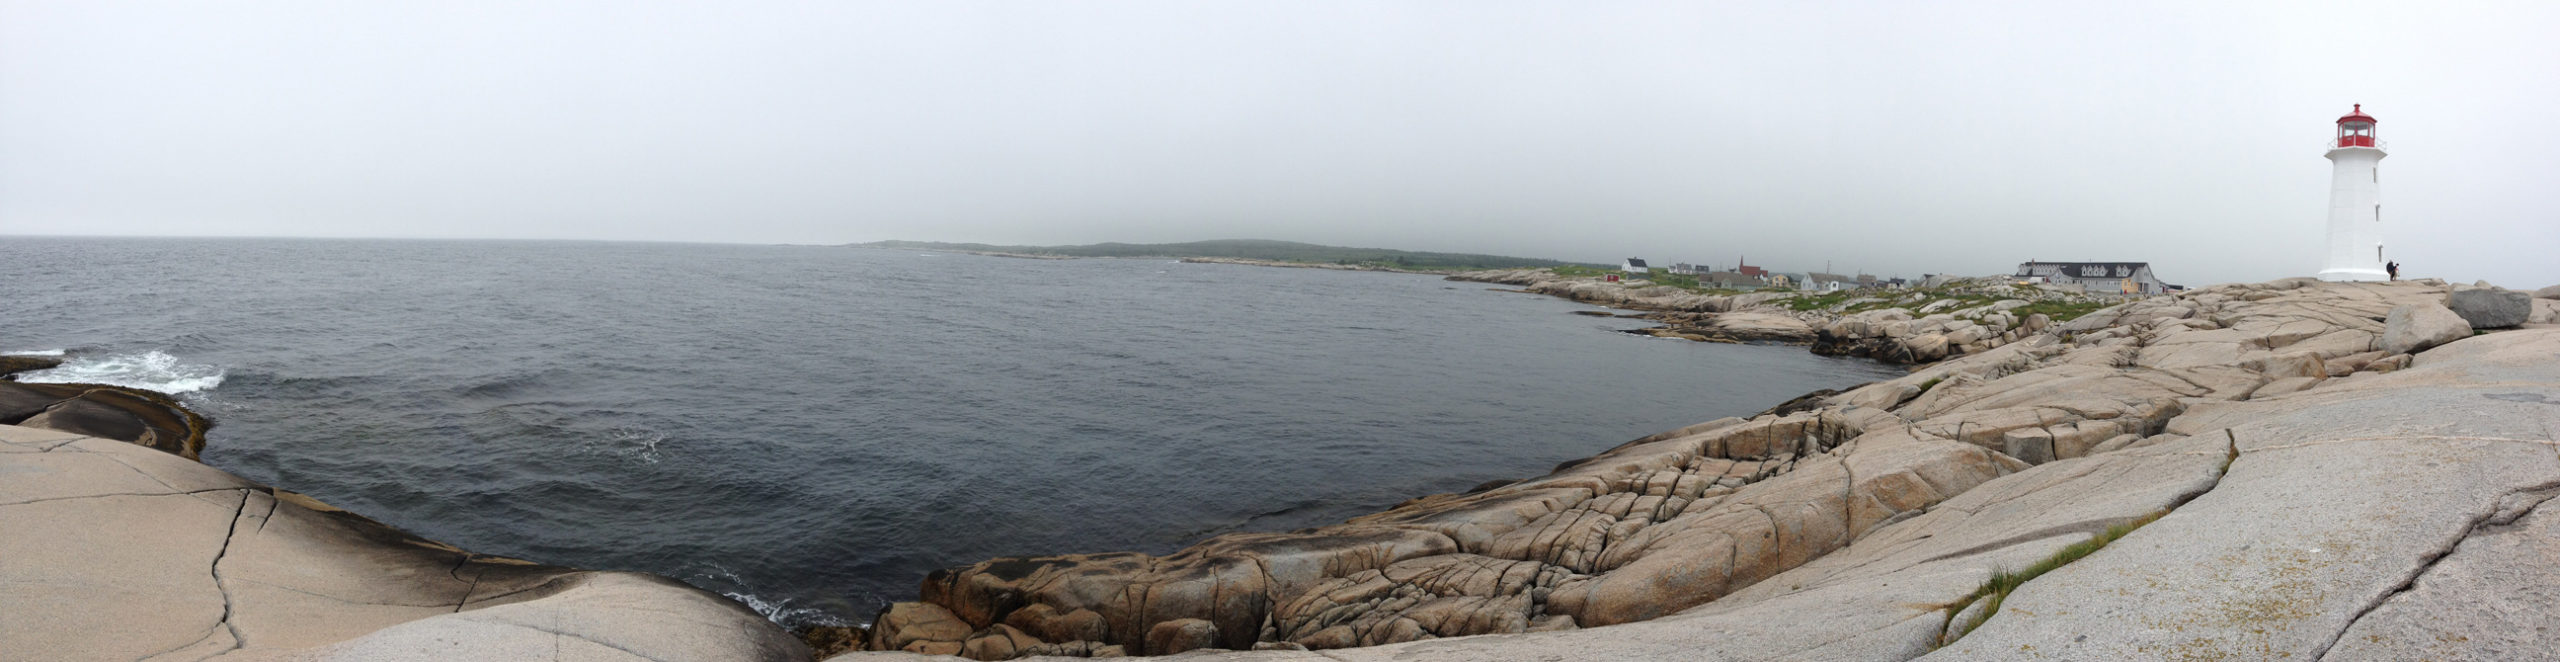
[(109, 550)]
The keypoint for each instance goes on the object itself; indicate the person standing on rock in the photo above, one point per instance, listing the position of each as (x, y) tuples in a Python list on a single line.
[(2394, 268)]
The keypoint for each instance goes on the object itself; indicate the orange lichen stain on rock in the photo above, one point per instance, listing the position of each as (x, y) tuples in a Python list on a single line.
[(2286, 591)]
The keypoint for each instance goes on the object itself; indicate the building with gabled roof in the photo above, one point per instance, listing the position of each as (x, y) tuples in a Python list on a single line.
[(2118, 277)]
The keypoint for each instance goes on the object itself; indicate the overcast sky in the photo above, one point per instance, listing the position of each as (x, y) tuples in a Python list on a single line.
[(1893, 138)]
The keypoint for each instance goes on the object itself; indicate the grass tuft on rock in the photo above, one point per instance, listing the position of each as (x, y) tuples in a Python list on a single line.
[(2003, 582), (2060, 311)]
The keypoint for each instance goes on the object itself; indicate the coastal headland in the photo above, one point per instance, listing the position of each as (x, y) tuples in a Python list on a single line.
[(2287, 469), (1916, 325), (2252, 470)]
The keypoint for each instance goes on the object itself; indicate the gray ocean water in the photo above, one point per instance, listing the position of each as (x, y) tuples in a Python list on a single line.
[(812, 429)]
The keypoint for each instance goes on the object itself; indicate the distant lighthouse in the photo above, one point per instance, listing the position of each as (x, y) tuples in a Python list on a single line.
[(2355, 201)]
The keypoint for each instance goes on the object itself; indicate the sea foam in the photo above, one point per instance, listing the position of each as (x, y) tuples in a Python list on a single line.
[(720, 579), (153, 370), (34, 352)]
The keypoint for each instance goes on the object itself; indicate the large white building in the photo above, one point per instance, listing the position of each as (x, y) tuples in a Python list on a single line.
[(2099, 277), (2355, 202)]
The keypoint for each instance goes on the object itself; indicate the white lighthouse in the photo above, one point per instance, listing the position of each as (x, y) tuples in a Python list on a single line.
[(2355, 202)]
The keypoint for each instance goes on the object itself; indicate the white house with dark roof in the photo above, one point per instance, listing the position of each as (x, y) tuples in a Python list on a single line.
[(1822, 282), (1635, 268), (2117, 277)]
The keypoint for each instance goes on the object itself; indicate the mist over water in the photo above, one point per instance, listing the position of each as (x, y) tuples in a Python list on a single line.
[(812, 429)]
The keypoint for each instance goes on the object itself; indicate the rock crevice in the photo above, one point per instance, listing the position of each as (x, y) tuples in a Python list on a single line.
[(2502, 512)]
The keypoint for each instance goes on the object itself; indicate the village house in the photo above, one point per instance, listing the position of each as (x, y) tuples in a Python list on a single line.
[(1732, 280), (1822, 282), (1635, 269), (1683, 269), (2115, 277)]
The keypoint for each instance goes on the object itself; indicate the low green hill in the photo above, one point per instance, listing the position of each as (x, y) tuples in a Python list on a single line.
[(1252, 249)]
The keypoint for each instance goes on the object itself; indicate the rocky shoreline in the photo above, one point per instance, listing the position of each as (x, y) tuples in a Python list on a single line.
[(119, 545), (140, 417), (1961, 317), (2199, 432), (2285, 469)]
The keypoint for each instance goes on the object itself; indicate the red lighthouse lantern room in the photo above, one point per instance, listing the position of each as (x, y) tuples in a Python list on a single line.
[(2356, 129)]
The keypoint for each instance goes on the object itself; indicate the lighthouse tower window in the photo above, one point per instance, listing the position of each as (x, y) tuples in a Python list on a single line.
[(2377, 213)]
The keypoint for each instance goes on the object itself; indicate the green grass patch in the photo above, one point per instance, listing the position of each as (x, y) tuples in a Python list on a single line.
[(1803, 302), (1682, 281), (1925, 386), (1658, 276), (2059, 311), (2003, 582), (1870, 305)]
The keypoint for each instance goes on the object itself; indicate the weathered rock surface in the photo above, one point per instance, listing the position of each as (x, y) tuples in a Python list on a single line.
[(2330, 530), (109, 550), (2487, 308), (1893, 335), (2418, 326), (1633, 534), (1735, 326), (108, 412), (16, 364), (1830, 530), (2490, 599), (2552, 292)]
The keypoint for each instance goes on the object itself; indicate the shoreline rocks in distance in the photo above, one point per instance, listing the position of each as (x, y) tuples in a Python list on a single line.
[(1250, 262), (1957, 318)]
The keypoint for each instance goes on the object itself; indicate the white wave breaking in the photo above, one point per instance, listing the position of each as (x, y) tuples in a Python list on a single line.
[(779, 611), (34, 352), (153, 370)]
